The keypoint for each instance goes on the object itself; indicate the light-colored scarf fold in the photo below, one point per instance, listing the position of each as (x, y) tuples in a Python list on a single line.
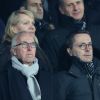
[(29, 72)]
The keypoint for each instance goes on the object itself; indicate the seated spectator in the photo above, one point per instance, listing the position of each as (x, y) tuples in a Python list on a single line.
[(50, 6), (25, 77), (81, 81)]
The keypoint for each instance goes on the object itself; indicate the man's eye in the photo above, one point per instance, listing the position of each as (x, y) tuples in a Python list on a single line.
[(81, 45)]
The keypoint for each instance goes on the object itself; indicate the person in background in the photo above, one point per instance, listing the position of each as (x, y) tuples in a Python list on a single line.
[(81, 81), (73, 11), (25, 77)]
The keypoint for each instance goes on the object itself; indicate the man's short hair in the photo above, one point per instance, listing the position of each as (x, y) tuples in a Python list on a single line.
[(70, 38)]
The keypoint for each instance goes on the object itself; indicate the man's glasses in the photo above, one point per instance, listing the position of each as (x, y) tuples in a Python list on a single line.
[(83, 46), (26, 45)]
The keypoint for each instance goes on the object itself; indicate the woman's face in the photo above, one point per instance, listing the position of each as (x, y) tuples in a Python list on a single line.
[(26, 23)]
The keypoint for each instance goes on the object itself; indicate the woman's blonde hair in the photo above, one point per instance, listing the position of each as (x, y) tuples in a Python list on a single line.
[(13, 19)]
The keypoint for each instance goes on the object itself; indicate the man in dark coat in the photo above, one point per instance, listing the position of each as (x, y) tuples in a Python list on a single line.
[(25, 77), (71, 18), (82, 80)]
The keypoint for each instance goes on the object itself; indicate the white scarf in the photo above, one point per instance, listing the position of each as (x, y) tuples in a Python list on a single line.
[(29, 72)]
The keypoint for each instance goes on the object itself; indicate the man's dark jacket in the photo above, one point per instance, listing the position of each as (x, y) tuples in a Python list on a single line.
[(76, 84)]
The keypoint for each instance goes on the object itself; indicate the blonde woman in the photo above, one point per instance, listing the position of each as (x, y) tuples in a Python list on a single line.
[(20, 20)]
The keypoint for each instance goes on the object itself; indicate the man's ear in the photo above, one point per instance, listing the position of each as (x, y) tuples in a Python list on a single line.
[(13, 51), (69, 51)]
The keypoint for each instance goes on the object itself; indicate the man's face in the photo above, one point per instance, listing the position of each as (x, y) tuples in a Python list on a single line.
[(35, 6), (26, 53), (73, 8), (82, 47)]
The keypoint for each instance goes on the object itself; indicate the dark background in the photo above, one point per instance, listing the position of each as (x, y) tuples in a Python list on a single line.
[(7, 6)]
